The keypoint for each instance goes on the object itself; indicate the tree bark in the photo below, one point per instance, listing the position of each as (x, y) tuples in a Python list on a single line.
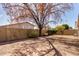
[(40, 31), (62, 32)]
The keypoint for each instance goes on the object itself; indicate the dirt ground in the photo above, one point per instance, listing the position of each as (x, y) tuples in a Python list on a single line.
[(66, 45)]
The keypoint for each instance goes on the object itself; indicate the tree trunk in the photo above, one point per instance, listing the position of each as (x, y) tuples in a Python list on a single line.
[(40, 31), (62, 32)]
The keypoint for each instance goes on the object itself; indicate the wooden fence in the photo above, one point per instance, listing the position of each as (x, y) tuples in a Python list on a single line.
[(67, 32), (7, 34)]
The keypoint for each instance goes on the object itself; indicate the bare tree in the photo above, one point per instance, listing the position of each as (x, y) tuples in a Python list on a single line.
[(38, 12)]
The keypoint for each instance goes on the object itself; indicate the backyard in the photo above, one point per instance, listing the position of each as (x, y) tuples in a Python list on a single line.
[(67, 45), (39, 29)]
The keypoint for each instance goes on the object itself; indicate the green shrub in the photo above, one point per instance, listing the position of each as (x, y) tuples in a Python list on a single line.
[(60, 28), (66, 26), (52, 31), (32, 34)]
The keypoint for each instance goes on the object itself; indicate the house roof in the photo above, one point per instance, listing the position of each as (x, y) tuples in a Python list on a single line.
[(18, 24), (22, 23)]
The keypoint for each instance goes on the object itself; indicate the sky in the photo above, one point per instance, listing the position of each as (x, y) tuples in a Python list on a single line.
[(69, 18)]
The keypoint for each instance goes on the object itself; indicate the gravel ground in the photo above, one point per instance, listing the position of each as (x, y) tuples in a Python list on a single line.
[(66, 45)]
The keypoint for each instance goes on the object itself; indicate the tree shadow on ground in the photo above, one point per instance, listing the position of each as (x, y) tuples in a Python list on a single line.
[(16, 40), (76, 44), (40, 53)]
